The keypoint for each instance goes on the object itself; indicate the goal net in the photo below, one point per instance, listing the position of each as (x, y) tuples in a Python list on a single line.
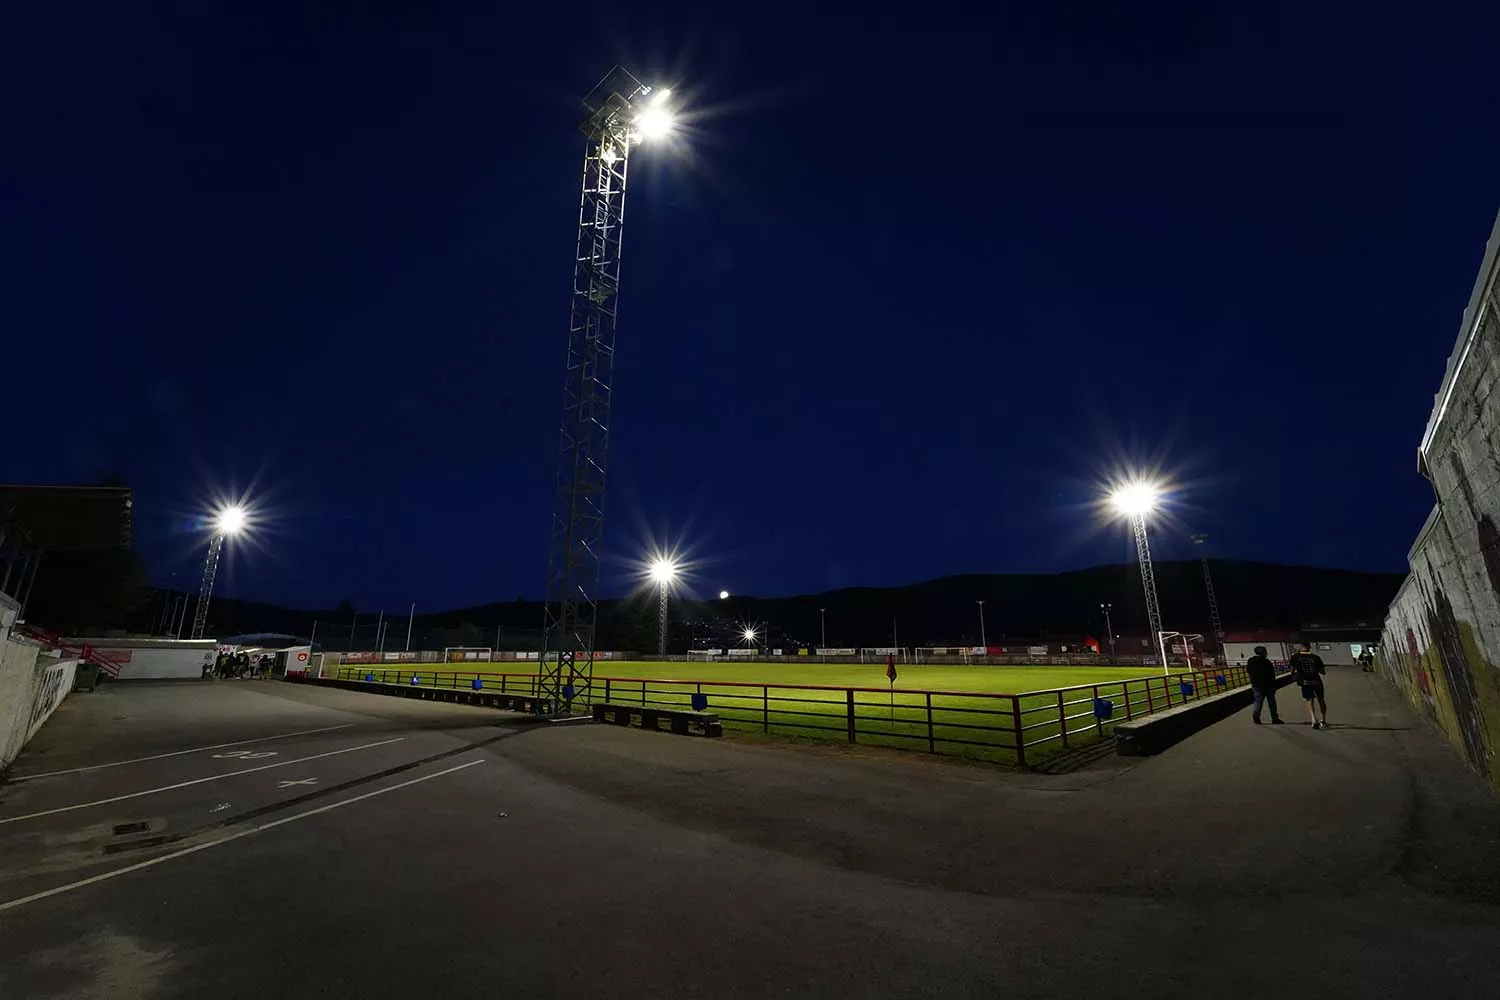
[(941, 654), (878, 654), (703, 654), (467, 654)]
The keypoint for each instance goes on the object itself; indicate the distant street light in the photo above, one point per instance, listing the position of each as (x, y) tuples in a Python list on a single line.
[(228, 522), (1134, 501), (1109, 627)]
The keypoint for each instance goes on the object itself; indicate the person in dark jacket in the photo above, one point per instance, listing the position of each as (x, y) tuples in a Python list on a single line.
[(1307, 668), (1262, 685)]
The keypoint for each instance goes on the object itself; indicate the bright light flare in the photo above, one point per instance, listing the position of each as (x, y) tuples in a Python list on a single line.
[(660, 97), (230, 520), (723, 595), (653, 122), (1135, 499), (663, 571), (749, 634)]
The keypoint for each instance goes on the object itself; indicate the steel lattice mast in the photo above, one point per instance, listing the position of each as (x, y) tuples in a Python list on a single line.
[(206, 589), (1201, 541), (1148, 582), (613, 117)]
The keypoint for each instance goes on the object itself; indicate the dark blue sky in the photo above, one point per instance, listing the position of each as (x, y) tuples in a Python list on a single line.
[(919, 281)]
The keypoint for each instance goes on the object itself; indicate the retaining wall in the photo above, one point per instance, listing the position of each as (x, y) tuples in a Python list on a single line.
[(1441, 645)]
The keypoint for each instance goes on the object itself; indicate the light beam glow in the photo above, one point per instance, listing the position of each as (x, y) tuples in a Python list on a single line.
[(230, 520), (663, 571), (1135, 499)]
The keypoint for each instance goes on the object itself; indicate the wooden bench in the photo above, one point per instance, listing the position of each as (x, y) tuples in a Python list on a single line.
[(683, 721)]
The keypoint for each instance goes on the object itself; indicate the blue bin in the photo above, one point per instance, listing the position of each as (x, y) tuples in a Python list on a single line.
[(1220, 680), (1186, 688), (700, 702), (370, 678), (1103, 708), (414, 680), (478, 684)]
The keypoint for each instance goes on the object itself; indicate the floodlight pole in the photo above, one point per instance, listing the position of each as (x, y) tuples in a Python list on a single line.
[(1201, 541), (823, 633), (1109, 627), (1148, 582), (206, 589), (565, 668), (981, 628), (661, 618)]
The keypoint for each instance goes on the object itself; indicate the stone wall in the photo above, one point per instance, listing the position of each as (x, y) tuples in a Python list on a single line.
[(1442, 636)]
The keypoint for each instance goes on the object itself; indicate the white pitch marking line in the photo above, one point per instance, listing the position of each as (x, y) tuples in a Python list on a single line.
[(177, 753), (195, 781), (304, 781), (105, 876)]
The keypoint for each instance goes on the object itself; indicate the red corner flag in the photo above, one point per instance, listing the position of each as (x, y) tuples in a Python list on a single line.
[(890, 667)]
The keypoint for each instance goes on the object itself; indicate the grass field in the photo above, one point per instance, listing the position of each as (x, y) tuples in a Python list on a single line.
[(972, 711)]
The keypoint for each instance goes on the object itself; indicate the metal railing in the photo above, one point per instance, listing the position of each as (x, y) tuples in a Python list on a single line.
[(1016, 728)]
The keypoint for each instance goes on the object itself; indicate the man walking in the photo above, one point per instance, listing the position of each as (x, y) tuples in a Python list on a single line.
[(1262, 685), (1307, 668)]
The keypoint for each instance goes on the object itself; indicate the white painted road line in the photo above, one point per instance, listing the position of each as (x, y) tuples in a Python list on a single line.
[(105, 876), (195, 781), (176, 753)]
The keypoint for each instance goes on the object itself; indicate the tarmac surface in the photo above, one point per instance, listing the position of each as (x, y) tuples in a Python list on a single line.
[(259, 839)]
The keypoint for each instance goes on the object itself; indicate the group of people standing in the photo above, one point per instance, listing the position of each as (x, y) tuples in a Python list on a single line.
[(1308, 672), (227, 665)]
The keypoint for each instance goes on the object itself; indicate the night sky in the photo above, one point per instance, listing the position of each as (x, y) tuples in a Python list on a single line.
[(914, 282)]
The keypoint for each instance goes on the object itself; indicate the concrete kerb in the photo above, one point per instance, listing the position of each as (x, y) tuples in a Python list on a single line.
[(1155, 733)]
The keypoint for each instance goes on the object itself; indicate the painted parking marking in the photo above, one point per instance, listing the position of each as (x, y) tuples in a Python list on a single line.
[(178, 753), (105, 876), (304, 781), (195, 781)]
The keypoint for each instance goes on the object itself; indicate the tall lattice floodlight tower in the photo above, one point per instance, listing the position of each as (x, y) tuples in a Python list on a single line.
[(619, 113), (1135, 502), (228, 522), (1201, 541)]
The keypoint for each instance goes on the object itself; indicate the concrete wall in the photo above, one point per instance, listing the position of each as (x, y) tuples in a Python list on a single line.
[(31, 688), (1441, 643), (156, 659)]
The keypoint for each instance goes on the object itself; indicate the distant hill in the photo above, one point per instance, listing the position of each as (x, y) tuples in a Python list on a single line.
[(936, 612)]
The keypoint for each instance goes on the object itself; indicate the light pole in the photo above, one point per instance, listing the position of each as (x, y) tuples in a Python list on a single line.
[(823, 633), (1109, 627), (1135, 501), (1201, 540), (981, 628), (228, 522), (663, 572), (618, 114), (411, 616)]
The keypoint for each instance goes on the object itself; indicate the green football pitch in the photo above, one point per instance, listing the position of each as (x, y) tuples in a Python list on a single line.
[(971, 711), (909, 677)]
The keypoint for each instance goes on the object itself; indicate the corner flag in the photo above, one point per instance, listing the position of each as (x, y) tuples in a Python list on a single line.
[(890, 667)]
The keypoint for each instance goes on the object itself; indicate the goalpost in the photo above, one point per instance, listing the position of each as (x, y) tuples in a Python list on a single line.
[(703, 654), (467, 654)]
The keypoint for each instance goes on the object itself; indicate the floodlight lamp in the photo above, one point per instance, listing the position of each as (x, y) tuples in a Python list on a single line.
[(230, 520), (651, 122), (1135, 499), (663, 571), (660, 97), (723, 595), (749, 634)]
